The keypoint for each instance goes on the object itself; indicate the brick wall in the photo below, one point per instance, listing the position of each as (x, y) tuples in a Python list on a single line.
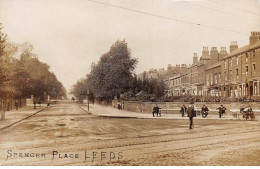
[(147, 107)]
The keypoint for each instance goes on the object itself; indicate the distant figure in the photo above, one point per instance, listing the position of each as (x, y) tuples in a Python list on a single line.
[(191, 113), (34, 103), (119, 105), (183, 110), (221, 110), (8, 106), (204, 111), (39, 102), (16, 104), (156, 110)]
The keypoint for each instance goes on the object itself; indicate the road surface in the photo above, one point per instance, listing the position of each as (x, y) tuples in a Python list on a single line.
[(65, 134)]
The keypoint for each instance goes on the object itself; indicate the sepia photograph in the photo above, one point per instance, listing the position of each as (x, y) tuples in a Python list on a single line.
[(129, 82)]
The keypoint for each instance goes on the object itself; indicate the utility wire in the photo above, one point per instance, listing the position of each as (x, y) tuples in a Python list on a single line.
[(211, 9), (221, 4), (168, 18)]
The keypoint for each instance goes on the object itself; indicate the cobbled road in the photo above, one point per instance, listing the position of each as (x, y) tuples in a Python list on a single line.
[(64, 134)]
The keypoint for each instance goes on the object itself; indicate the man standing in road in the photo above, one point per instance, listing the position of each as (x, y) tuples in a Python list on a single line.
[(221, 110), (191, 114)]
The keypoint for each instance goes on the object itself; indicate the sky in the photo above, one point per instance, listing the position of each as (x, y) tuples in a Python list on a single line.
[(71, 34)]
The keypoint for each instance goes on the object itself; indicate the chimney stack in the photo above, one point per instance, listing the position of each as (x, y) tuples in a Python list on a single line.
[(223, 53), (233, 46), (255, 36), (214, 53), (195, 58), (205, 51)]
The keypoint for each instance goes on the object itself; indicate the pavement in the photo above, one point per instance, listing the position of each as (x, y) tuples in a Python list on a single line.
[(70, 131), (14, 115), (106, 111)]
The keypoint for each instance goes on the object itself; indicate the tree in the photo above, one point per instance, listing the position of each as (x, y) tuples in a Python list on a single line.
[(111, 76), (24, 76), (4, 72)]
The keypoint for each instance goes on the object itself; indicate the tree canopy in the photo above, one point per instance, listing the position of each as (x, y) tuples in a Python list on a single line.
[(25, 75), (113, 75)]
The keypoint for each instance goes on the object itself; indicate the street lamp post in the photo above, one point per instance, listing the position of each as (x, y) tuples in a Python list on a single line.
[(88, 98)]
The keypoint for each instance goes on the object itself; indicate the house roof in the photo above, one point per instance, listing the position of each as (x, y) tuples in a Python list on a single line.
[(213, 66), (244, 49)]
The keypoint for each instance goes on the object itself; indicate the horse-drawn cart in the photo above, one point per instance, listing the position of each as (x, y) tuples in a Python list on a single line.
[(246, 113)]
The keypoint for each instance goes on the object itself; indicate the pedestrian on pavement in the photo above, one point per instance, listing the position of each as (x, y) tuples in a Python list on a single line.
[(16, 104), (221, 110), (204, 111), (154, 110), (119, 105), (183, 110), (158, 110), (191, 113)]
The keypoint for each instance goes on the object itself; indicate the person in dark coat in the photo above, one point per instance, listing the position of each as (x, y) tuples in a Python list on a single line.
[(154, 109), (204, 111), (157, 110), (191, 114), (221, 110), (183, 110)]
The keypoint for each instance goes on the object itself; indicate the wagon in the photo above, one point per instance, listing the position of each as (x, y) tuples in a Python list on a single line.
[(248, 114)]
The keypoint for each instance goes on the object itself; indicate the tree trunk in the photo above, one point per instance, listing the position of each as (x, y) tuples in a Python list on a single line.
[(3, 110)]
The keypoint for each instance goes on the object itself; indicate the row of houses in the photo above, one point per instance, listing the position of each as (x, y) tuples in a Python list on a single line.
[(219, 73), (162, 73)]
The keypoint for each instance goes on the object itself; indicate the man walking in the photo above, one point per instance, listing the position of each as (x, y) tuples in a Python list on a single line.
[(191, 114)]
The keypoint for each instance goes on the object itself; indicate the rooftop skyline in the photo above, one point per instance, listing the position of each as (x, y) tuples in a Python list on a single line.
[(69, 35)]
